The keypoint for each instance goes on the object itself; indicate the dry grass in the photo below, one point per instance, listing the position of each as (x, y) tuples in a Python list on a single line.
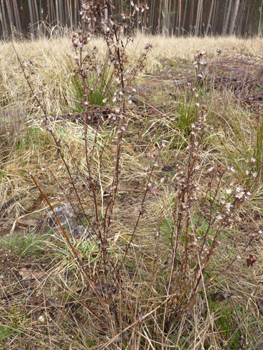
[(48, 311), (53, 60)]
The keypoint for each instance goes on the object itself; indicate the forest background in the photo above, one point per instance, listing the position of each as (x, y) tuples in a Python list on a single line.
[(176, 17)]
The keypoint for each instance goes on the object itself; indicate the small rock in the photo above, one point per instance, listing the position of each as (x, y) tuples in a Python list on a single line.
[(78, 231), (65, 215), (67, 218), (41, 319), (135, 100), (168, 168)]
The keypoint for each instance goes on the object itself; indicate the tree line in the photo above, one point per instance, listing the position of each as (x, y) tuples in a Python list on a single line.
[(168, 17)]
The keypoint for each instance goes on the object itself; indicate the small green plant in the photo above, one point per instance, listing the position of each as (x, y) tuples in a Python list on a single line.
[(226, 324), (25, 244), (5, 100), (33, 136), (7, 331), (197, 224), (98, 87), (186, 114)]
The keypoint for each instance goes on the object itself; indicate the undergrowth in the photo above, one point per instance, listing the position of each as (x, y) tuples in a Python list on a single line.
[(163, 203)]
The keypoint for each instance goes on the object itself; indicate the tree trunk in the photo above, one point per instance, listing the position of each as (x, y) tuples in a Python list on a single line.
[(165, 28), (247, 17), (10, 15), (57, 13), (185, 8), (68, 15), (48, 11), (17, 17), (209, 18), (174, 18), (191, 22), (227, 18), (31, 15), (260, 19), (241, 18), (215, 17), (198, 17), (234, 16), (36, 11), (76, 14), (179, 16), (251, 14), (4, 24), (159, 19), (225, 14), (151, 15)]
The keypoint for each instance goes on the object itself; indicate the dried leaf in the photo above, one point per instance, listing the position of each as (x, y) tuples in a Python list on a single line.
[(191, 304), (153, 190), (250, 261), (221, 296), (126, 148), (153, 154), (226, 295), (140, 317), (260, 307), (29, 274)]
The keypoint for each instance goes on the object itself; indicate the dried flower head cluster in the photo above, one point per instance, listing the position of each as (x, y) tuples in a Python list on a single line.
[(253, 168), (203, 208), (200, 65), (97, 20), (187, 189)]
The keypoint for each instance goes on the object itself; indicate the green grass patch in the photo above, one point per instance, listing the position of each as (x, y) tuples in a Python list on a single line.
[(25, 244)]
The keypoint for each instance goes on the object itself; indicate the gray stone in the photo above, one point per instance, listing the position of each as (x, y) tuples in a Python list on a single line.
[(65, 215)]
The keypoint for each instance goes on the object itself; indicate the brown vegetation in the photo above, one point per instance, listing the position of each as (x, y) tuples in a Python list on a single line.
[(131, 226)]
